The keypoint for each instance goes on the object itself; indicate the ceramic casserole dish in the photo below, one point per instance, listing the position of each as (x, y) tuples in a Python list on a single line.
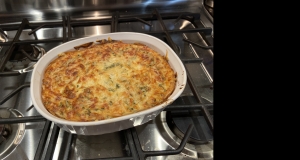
[(113, 124)]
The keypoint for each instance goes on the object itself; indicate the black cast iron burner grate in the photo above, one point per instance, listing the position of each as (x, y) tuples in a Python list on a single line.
[(136, 151)]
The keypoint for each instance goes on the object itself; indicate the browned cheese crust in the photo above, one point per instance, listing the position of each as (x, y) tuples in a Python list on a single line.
[(106, 80)]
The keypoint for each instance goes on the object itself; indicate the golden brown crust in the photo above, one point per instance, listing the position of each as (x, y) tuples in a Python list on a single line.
[(106, 80)]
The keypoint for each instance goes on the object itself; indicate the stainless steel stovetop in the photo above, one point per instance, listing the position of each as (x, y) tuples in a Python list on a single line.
[(24, 134)]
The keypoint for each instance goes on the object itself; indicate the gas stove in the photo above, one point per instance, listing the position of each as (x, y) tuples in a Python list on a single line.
[(184, 130)]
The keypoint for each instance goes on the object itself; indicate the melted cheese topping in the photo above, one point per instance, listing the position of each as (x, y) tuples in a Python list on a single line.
[(106, 80)]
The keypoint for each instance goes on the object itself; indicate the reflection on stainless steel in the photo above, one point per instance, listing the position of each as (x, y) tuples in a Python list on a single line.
[(24, 35), (49, 6), (47, 10), (47, 33), (98, 146), (90, 31), (44, 33), (59, 146), (16, 135)]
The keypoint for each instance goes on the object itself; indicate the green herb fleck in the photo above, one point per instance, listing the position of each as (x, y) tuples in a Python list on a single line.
[(114, 65), (144, 88), (68, 105), (112, 90), (160, 85), (88, 112)]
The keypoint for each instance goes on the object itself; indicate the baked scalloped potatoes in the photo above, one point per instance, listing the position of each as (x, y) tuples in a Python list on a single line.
[(106, 80)]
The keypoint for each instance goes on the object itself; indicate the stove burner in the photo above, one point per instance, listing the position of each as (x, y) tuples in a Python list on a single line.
[(10, 135), (193, 148), (5, 131), (179, 121), (19, 56), (20, 61)]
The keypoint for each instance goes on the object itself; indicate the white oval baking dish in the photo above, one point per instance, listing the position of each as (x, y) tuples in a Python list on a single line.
[(118, 123)]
